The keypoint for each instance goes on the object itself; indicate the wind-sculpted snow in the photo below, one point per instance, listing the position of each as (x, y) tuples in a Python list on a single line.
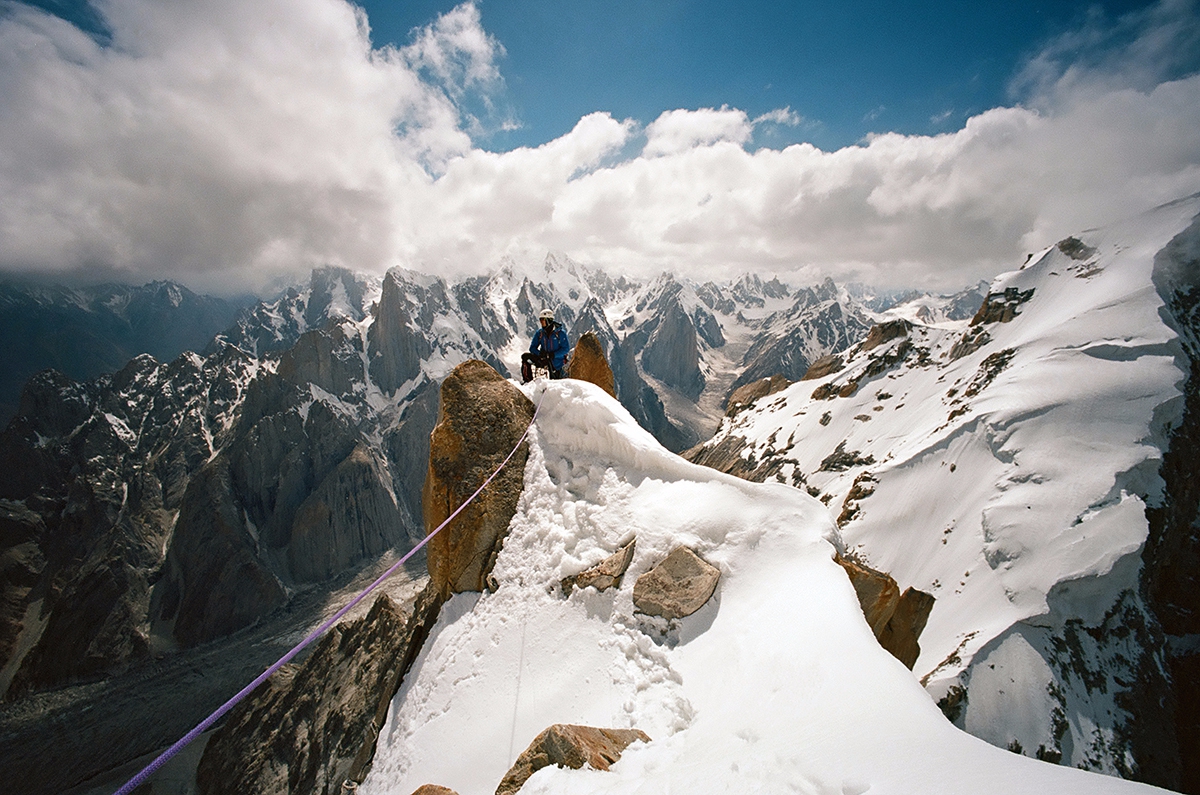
[(1011, 482), (775, 685)]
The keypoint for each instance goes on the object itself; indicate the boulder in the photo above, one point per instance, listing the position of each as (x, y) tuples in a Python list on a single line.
[(588, 363), (481, 418), (676, 587), (569, 746), (605, 574), (433, 789)]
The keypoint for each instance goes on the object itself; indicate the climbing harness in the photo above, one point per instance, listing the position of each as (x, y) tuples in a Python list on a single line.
[(205, 724)]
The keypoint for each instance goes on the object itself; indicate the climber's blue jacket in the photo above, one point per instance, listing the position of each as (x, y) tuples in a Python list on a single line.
[(554, 342)]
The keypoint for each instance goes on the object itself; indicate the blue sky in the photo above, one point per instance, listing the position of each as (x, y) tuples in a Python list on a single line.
[(847, 68), (235, 145)]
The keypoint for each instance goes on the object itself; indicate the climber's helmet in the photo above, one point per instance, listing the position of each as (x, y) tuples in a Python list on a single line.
[(546, 317)]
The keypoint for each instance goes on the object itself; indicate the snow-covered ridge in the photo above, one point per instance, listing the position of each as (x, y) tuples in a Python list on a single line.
[(1006, 468), (775, 685)]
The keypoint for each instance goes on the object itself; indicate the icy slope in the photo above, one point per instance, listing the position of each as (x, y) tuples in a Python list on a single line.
[(776, 685), (1006, 469)]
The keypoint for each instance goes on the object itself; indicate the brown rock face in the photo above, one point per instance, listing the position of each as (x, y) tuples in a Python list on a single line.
[(1001, 307), (433, 789), (830, 363), (604, 574), (481, 418), (896, 619), (885, 332), (676, 587), (588, 363), (899, 635), (569, 746), (744, 395), (877, 592)]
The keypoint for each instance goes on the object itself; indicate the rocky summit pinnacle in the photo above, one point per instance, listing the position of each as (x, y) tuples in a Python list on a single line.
[(481, 418)]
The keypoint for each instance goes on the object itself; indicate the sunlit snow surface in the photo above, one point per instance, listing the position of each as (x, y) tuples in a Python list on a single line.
[(777, 685)]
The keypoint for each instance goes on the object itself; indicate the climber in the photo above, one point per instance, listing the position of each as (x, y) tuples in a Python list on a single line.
[(549, 349)]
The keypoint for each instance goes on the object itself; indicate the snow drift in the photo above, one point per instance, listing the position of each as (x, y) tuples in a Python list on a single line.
[(776, 685)]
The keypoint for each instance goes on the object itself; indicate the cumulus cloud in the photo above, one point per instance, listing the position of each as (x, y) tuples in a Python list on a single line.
[(223, 142), (680, 130), (227, 144)]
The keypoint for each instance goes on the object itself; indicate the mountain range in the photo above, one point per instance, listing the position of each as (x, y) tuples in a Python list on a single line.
[(154, 513)]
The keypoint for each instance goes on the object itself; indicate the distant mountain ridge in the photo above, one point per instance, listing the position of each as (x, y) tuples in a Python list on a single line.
[(85, 331)]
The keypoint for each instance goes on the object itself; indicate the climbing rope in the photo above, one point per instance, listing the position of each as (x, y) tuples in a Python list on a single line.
[(220, 711)]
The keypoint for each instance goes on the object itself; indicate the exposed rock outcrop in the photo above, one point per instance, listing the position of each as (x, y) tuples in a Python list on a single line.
[(826, 365), (842, 459), (1001, 307), (677, 587), (329, 358), (570, 746), (588, 363), (481, 418), (215, 583), (900, 634), (877, 363), (315, 725), (433, 789), (743, 396), (1075, 248), (896, 619), (885, 332), (349, 516), (605, 574)]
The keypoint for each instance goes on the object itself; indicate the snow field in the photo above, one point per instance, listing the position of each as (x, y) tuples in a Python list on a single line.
[(776, 685)]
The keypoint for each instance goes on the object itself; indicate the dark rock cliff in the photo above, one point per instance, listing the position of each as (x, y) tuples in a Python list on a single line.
[(1171, 557), (672, 353), (84, 332), (315, 724)]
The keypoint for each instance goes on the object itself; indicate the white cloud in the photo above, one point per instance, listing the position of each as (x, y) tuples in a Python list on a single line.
[(780, 116), (226, 144), (1138, 50), (679, 130)]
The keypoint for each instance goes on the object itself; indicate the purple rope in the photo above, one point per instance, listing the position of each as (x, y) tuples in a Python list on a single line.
[(205, 724)]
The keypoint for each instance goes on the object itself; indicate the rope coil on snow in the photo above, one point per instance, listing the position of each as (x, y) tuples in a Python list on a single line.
[(220, 711)]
